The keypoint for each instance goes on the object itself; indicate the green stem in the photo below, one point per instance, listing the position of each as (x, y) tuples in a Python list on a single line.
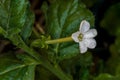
[(20, 43), (57, 71), (61, 40)]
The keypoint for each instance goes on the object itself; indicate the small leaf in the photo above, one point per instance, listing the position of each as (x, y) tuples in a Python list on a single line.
[(13, 69), (63, 18)]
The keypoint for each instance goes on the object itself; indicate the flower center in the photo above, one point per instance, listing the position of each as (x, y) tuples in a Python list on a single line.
[(80, 37)]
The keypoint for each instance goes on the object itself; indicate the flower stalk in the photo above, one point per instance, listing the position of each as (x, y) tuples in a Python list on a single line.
[(84, 36), (61, 40)]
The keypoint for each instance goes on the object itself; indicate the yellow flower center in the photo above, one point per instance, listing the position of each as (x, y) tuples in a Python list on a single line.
[(80, 37)]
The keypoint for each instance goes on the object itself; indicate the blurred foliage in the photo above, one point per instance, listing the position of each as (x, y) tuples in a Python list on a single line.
[(111, 20)]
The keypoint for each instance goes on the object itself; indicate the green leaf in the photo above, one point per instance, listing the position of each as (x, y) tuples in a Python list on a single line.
[(89, 3), (16, 21), (105, 76), (13, 69), (14, 15), (43, 74), (79, 65), (63, 18), (111, 20), (27, 29)]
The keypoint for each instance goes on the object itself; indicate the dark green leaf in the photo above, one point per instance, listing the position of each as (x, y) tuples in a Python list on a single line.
[(89, 3), (24, 73), (81, 63), (43, 74), (13, 69), (14, 15), (27, 29), (62, 21), (15, 19)]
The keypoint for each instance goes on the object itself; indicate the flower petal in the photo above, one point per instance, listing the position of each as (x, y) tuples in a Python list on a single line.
[(90, 43), (90, 33), (82, 47), (75, 36), (84, 26)]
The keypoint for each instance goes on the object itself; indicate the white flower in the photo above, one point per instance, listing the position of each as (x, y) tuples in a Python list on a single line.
[(85, 36)]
